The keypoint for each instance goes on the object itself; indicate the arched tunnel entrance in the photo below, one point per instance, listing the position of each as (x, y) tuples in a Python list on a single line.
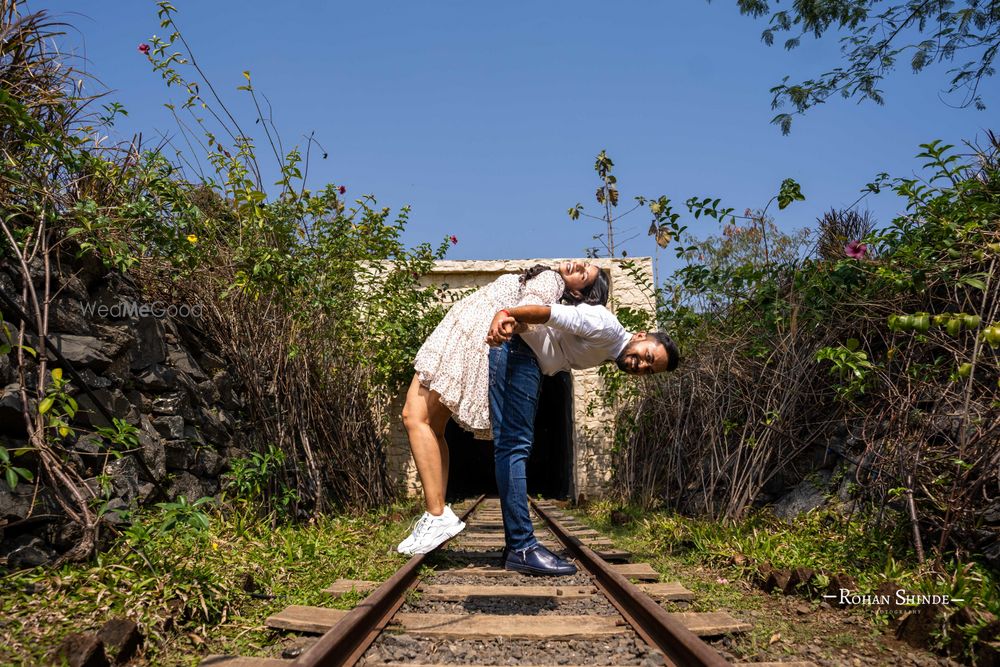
[(550, 466)]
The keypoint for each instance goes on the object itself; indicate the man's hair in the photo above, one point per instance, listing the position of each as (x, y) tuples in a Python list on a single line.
[(673, 354)]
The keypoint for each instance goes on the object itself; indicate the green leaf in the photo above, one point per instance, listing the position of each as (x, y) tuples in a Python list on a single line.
[(45, 405), (11, 479)]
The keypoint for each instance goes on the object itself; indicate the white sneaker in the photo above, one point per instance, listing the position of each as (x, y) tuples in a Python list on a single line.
[(431, 531), (407, 544)]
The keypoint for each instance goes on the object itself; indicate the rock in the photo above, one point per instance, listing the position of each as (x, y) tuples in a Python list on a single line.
[(212, 426), (11, 418), (112, 511), (69, 285), (182, 361), (124, 478), (150, 347), (82, 650), (93, 380), (193, 435), (211, 362), (8, 373), (207, 463), (157, 377), (179, 454), (208, 392), (170, 427), (28, 551), (121, 638), (112, 400), (777, 580), (66, 315), (227, 396), (118, 339), (90, 449), (153, 451), (916, 627), (170, 404), (13, 505), (81, 351), (187, 485), (805, 496), (799, 581), (840, 582)]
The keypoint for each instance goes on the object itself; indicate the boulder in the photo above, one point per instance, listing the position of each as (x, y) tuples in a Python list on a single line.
[(121, 638), (112, 400), (27, 551), (124, 474), (807, 495), (157, 378), (179, 454), (207, 463), (150, 347), (81, 351), (118, 339), (170, 427), (66, 315), (81, 650), (11, 417), (211, 362), (93, 380), (212, 427), (187, 485), (182, 361), (174, 403), (153, 451), (14, 505)]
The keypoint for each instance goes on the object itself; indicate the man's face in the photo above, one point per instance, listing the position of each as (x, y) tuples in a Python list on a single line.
[(643, 356)]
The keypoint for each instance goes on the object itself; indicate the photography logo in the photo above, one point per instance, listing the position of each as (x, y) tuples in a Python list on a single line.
[(899, 601)]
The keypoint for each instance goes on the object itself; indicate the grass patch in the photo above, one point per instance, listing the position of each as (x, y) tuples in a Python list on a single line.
[(718, 561), (198, 591)]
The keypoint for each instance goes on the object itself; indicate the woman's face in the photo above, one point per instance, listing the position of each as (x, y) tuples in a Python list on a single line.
[(578, 275)]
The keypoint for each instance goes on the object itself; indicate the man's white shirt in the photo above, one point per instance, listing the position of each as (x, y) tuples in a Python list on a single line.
[(578, 337)]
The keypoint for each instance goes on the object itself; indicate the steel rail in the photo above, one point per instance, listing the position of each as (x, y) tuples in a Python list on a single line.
[(347, 641), (680, 646)]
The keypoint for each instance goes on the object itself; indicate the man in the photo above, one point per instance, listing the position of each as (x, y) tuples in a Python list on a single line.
[(578, 337)]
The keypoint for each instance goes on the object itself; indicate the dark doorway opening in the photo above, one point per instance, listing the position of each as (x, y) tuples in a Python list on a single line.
[(471, 470)]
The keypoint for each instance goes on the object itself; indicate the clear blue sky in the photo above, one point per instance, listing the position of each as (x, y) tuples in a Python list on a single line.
[(486, 117)]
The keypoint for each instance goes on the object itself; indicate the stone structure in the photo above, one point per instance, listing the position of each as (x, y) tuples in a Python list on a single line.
[(631, 286)]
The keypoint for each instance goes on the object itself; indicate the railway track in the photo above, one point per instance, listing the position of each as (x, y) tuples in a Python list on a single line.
[(471, 611)]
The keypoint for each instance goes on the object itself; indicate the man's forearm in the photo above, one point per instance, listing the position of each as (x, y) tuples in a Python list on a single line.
[(530, 314)]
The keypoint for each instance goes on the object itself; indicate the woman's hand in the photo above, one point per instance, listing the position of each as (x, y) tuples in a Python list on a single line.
[(501, 329)]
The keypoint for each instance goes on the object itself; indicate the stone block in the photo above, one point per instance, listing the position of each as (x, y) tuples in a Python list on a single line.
[(170, 427)]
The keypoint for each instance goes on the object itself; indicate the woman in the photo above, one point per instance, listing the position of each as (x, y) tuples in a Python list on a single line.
[(452, 379)]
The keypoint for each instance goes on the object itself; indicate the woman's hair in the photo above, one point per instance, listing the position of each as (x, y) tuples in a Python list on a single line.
[(595, 295)]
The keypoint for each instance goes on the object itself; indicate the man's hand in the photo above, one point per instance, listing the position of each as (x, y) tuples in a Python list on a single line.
[(501, 329)]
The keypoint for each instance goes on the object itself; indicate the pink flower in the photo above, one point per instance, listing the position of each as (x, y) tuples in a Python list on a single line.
[(453, 239), (144, 49), (342, 189), (855, 249)]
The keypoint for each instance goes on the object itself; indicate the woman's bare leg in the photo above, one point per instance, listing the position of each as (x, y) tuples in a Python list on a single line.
[(425, 418)]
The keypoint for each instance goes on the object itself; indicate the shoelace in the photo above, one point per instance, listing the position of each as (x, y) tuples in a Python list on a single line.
[(423, 524)]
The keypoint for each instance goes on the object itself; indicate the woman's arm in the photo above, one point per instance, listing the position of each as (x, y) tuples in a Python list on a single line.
[(502, 327)]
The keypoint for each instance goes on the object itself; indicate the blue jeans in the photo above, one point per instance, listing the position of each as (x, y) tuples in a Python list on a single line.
[(515, 383)]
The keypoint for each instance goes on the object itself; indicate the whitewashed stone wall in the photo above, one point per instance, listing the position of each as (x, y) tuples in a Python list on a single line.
[(592, 423)]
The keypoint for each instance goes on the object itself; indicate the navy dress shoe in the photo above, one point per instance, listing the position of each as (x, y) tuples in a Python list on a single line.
[(537, 560)]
